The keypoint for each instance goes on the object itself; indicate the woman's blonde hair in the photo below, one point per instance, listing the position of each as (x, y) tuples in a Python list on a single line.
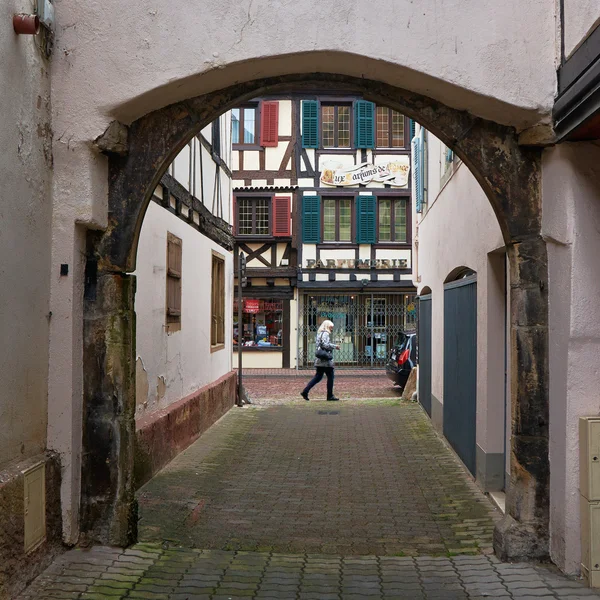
[(325, 326)]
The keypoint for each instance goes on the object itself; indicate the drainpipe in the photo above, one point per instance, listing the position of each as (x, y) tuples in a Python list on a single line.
[(26, 24)]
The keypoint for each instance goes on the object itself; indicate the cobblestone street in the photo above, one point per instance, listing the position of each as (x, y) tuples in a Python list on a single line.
[(296, 500)]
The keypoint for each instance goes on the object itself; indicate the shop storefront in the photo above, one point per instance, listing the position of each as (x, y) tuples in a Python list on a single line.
[(366, 325), (264, 331)]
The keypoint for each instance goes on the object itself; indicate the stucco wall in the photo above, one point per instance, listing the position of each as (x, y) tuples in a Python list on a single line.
[(25, 221), (580, 17), (571, 225), (171, 366), (460, 229), (157, 45)]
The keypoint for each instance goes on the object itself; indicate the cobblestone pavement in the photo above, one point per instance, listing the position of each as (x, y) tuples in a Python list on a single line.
[(347, 478), (275, 390), (148, 571), (309, 501)]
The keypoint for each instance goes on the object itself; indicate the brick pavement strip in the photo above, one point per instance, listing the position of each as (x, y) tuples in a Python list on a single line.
[(298, 500)]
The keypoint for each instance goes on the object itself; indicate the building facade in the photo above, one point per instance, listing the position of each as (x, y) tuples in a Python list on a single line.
[(183, 335), (322, 207), (462, 278)]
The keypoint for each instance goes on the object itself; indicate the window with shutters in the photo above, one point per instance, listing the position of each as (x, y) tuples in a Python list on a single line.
[(253, 216), (391, 220), (310, 124), (335, 125), (364, 123), (311, 219), (244, 121), (269, 124), (281, 216), (173, 316), (337, 219), (390, 127), (365, 219), (217, 323)]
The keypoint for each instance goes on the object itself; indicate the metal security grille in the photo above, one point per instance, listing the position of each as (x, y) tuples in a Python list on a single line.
[(366, 326)]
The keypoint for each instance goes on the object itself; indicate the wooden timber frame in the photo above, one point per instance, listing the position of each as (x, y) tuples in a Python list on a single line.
[(510, 176)]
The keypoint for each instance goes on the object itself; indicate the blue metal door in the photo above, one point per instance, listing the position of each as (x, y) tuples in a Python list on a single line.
[(424, 349), (460, 367)]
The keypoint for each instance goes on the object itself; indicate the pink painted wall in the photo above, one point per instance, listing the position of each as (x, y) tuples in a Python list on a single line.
[(571, 227)]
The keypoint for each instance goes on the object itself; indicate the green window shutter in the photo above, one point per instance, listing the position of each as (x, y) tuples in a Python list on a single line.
[(365, 219), (417, 145), (310, 124), (311, 219), (364, 120), (412, 129)]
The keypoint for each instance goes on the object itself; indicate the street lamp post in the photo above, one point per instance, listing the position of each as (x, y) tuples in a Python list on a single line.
[(241, 284)]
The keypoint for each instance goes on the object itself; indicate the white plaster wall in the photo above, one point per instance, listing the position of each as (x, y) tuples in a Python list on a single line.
[(571, 226), (25, 229), (481, 50), (179, 363), (580, 18), (460, 229)]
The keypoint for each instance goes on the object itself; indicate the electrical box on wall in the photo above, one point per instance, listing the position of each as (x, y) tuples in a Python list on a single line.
[(589, 457), (35, 506), (45, 13), (589, 487)]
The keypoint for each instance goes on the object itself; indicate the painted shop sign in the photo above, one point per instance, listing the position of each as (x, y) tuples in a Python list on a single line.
[(251, 306), (350, 263), (393, 173)]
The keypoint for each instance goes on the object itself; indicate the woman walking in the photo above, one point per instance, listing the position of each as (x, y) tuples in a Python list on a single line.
[(323, 361)]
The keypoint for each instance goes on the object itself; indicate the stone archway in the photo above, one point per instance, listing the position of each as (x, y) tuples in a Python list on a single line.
[(510, 177)]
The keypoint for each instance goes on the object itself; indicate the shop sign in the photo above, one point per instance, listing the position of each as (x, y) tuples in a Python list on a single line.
[(273, 306), (350, 263), (251, 306), (393, 173)]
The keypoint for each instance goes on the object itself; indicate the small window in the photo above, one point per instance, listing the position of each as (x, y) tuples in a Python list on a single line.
[(173, 316), (335, 125), (217, 327), (392, 220), (243, 125), (390, 128), (253, 216), (337, 219)]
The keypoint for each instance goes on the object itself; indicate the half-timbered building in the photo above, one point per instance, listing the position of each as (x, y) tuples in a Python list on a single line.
[(321, 211)]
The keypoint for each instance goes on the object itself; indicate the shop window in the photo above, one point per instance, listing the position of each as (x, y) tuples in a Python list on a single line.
[(173, 316), (253, 216), (390, 128), (337, 219), (262, 323), (243, 125), (392, 224), (335, 125), (217, 327)]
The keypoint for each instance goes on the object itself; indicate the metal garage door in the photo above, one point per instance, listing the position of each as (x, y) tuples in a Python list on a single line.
[(424, 348), (460, 367)]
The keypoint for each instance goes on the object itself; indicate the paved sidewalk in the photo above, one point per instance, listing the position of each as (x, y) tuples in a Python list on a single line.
[(150, 572), (346, 478), (339, 372), (309, 501), (275, 390)]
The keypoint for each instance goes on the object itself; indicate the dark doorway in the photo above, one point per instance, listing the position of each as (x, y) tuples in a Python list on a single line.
[(460, 367)]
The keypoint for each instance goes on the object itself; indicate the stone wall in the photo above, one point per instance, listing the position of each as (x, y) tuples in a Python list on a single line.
[(18, 568), (164, 434)]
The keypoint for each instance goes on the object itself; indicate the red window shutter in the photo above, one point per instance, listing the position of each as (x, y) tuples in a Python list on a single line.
[(281, 216), (269, 124)]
